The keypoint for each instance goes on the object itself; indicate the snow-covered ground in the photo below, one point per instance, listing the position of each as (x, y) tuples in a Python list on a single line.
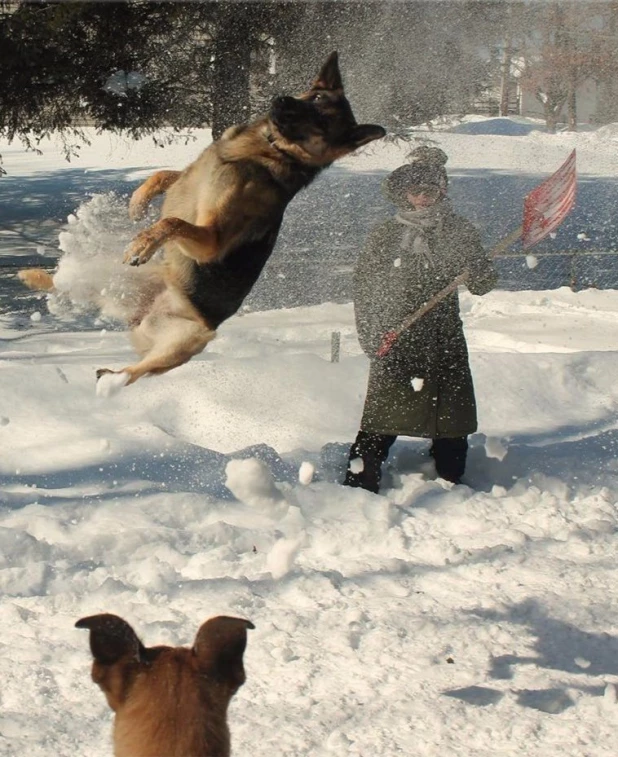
[(430, 620)]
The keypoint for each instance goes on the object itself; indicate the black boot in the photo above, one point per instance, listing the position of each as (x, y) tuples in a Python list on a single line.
[(368, 453), (450, 455)]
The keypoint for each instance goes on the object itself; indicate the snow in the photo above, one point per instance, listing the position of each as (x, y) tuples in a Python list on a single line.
[(495, 448), (306, 472), (505, 127), (251, 481), (280, 559), (109, 384), (429, 620), (356, 465)]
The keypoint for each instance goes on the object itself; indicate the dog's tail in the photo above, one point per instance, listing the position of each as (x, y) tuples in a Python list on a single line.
[(36, 278)]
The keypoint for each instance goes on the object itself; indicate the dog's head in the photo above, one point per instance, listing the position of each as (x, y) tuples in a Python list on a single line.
[(320, 122), (168, 700)]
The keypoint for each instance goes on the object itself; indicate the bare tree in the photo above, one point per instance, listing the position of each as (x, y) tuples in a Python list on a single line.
[(606, 72), (559, 52)]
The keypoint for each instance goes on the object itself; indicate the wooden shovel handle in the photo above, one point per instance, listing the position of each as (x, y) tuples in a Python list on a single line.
[(389, 339)]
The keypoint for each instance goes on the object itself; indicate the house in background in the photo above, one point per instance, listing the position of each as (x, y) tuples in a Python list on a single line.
[(587, 97)]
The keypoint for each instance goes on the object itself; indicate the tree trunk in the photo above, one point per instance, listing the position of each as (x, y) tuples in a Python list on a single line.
[(608, 106), (572, 104), (551, 118), (568, 43), (232, 66), (505, 78)]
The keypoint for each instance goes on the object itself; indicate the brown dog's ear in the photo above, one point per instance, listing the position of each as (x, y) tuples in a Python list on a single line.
[(365, 133), (329, 76), (219, 647), (111, 639)]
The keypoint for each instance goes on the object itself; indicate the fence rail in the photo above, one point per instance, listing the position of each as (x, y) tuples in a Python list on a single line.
[(550, 270)]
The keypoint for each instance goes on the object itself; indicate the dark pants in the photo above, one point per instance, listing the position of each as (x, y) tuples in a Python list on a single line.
[(369, 452)]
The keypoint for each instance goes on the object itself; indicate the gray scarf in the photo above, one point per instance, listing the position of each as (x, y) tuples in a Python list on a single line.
[(419, 224)]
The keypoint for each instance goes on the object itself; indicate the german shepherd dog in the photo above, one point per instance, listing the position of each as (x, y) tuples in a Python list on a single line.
[(221, 217), (169, 701)]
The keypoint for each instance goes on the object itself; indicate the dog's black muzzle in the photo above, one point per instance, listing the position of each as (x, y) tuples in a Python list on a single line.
[(286, 110)]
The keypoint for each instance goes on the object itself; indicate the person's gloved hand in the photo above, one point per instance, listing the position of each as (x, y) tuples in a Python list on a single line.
[(388, 340)]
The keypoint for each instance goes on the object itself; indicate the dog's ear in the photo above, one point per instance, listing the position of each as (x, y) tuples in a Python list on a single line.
[(365, 133), (111, 639), (329, 76), (219, 647)]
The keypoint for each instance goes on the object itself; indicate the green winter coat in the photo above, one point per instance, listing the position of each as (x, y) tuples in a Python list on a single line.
[(405, 262)]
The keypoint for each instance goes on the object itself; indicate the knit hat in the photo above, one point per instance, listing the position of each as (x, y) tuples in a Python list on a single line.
[(425, 169)]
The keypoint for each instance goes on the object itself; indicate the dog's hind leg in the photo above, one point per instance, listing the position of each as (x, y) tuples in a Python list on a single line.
[(168, 336), (177, 343), (157, 184)]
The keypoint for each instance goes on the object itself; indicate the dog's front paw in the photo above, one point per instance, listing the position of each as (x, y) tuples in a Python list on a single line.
[(141, 249)]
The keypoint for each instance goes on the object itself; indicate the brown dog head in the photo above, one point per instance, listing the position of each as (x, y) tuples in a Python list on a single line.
[(168, 701), (320, 121)]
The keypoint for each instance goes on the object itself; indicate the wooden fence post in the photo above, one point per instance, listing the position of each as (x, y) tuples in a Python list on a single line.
[(335, 346)]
